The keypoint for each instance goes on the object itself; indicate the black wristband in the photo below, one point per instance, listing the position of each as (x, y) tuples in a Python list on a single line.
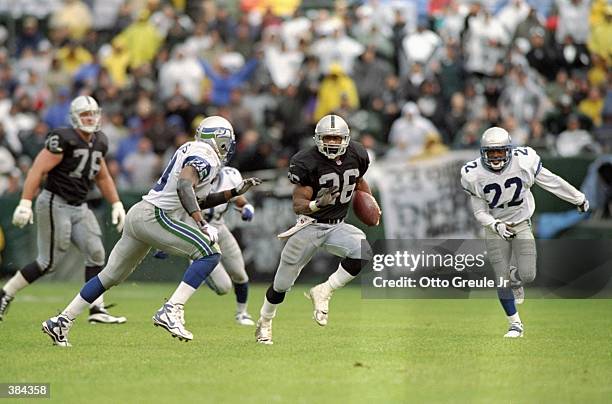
[(234, 192)]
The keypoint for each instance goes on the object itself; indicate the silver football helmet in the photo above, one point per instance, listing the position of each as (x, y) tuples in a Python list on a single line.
[(495, 138), (81, 104), (217, 132), (332, 125)]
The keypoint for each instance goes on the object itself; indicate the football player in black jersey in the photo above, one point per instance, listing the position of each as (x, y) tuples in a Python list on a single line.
[(72, 160), (325, 177)]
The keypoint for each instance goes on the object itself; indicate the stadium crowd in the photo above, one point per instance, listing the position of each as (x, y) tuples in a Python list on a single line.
[(413, 78)]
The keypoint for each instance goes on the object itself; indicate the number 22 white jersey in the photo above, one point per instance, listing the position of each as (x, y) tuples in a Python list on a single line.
[(202, 158), (507, 192)]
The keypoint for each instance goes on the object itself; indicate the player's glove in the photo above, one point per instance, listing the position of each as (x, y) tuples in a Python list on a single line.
[(23, 213), (326, 197), (584, 206), (248, 211), (503, 230), (245, 185), (209, 231), (118, 215)]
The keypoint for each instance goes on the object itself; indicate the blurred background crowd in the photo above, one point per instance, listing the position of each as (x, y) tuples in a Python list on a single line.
[(413, 78)]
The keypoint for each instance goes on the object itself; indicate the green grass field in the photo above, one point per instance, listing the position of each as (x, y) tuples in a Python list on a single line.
[(372, 351)]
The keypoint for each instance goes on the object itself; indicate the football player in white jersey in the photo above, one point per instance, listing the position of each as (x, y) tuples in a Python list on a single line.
[(499, 184), (231, 269), (159, 221)]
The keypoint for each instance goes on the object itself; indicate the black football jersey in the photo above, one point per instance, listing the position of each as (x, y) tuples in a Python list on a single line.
[(311, 168), (73, 177)]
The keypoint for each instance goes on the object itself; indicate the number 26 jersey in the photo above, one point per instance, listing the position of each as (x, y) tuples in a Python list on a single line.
[(311, 168), (507, 192)]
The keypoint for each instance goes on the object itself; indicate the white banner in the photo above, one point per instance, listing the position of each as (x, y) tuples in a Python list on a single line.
[(424, 199)]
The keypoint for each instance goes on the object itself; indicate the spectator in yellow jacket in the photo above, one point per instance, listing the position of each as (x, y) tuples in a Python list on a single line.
[(142, 40), (334, 87), (72, 56), (600, 41), (117, 61)]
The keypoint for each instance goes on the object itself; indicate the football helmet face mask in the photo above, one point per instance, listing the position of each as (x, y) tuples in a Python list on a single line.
[(85, 114), (495, 148), (332, 125), (217, 132)]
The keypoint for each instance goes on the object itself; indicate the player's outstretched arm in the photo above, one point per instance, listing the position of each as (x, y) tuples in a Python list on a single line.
[(247, 211), (44, 162), (222, 197), (109, 192), (562, 189)]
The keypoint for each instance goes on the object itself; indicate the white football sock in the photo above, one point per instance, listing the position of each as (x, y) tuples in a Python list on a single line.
[(241, 307), (268, 310), (76, 307), (182, 294), (514, 318), (15, 284), (339, 278)]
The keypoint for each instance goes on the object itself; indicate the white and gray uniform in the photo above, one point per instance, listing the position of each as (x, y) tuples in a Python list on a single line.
[(231, 267), (505, 195), (159, 220)]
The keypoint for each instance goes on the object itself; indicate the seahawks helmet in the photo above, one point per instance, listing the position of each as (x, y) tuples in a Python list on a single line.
[(332, 125), (81, 104), (217, 132), (495, 138)]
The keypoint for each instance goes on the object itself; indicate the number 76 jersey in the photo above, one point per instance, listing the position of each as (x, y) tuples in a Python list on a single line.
[(507, 192)]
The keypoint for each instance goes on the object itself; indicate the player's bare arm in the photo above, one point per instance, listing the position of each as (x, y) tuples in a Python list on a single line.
[(44, 162), (302, 196), (105, 182)]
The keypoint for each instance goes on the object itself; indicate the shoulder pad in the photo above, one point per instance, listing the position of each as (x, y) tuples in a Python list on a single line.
[(55, 142), (233, 174), (527, 159)]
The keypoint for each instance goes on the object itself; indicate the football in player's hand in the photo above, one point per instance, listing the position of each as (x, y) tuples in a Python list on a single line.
[(366, 208)]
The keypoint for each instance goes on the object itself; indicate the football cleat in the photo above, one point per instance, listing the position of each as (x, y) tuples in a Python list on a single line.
[(5, 301), (320, 303), (100, 314), (243, 318), (171, 317), (263, 332), (517, 286), (515, 330), (57, 329)]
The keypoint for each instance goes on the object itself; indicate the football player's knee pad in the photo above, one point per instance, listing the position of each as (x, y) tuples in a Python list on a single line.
[(273, 296), (240, 277), (96, 257), (363, 252), (219, 282), (353, 266)]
